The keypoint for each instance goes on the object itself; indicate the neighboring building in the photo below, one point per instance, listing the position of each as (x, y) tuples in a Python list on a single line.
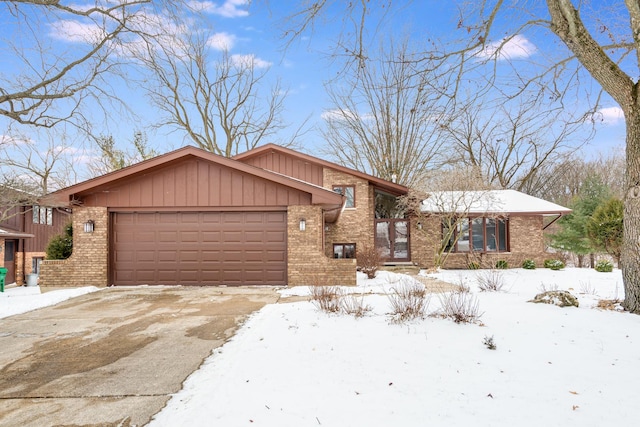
[(270, 216), (24, 236)]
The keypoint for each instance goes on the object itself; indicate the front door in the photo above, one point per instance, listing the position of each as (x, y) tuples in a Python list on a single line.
[(392, 239), (10, 260)]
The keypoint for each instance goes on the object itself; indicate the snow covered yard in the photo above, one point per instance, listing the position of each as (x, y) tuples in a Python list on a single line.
[(293, 365)]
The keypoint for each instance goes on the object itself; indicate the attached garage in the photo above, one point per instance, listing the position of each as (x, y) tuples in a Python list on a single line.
[(199, 248)]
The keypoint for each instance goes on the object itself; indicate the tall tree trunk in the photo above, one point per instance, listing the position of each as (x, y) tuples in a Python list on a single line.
[(631, 253)]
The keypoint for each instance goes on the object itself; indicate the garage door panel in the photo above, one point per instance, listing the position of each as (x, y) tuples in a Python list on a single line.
[(205, 248)]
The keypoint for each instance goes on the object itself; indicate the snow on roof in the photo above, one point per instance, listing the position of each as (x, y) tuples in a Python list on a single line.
[(489, 202)]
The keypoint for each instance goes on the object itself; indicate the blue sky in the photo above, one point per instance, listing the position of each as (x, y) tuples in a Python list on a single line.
[(255, 31)]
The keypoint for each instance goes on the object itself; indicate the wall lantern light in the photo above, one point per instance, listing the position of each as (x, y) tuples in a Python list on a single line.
[(89, 226), (419, 225), (303, 224)]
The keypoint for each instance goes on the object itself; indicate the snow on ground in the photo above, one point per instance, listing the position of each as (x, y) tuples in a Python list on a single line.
[(292, 365), (21, 299)]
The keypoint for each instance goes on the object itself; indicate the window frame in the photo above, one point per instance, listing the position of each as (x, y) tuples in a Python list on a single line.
[(42, 215), (341, 189), (344, 250), (485, 238)]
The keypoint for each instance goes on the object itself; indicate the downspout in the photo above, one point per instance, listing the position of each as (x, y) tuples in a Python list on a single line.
[(21, 243)]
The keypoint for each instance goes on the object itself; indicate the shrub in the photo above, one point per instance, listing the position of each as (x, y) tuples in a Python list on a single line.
[(604, 266), (408, 301), (326, 298), (461, 307), (61, 246), (490, 281), (502, 264), (489, 342), (553, 264), (529, 264), (474, 265), (369, 261), (354, 304)]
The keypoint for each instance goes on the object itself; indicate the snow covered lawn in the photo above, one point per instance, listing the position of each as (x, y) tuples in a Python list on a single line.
[(293, 365)]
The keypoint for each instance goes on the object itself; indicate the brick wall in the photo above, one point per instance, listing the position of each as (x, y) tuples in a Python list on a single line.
[(88, 264), (355, 225), (307, 262), (526, 242)]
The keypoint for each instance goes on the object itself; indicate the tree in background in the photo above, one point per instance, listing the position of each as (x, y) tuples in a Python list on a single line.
[(573, 236), (605, 227), (221, 103), (384, 117), (113, 158)]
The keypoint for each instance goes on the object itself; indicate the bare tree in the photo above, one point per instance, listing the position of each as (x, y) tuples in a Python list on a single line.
[(112, 157), (513, 144), (62, 53), (384, 118), (221, 103), (601, 39)]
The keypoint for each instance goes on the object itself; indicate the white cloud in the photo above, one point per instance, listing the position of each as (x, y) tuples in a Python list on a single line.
[(228, 9), (76, 32), (610, 115), (221, 41), (344, 115), (516, 47), (249, 60)]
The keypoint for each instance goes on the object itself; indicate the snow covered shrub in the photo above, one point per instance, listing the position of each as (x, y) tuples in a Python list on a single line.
[(408, 301), (490, 281), (369, 260), (502, 264), (604, 266), (529, 264), (354, 304), (326, 298), (553, 264), (461, 307), (489, 342)]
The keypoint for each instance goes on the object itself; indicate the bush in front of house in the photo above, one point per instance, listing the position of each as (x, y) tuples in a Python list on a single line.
[(604, 266), (502, 264), (369, 260), (61, 246), (474, 265), (553, 264), (409, 301), (529, 264)]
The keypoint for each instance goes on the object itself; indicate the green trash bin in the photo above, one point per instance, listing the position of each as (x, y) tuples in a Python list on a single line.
[(3, 275)]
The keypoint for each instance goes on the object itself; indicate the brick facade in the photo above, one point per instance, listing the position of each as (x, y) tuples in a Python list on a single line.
[(307, 262), (355, 225), (88, 265), (526, 241)]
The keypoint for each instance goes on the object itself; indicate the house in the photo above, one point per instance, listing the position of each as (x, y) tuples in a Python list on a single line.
[(270, 216), (25, 231), (488, 226)]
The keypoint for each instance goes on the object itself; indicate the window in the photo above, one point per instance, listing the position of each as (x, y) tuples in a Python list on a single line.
[(42, 215), (344, 250), (349, 191), (477, 235), (35, 264)]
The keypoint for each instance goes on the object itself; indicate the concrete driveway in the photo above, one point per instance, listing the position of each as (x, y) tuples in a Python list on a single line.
[(113, 357)]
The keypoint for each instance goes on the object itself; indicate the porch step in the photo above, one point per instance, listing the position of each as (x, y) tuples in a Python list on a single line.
[(405, 268)]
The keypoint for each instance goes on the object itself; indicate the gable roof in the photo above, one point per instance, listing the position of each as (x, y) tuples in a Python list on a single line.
[(319, 195), (393, 188), (489, 202)]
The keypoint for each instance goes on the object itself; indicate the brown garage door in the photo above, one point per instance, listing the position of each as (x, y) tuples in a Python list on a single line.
[(199, 248)]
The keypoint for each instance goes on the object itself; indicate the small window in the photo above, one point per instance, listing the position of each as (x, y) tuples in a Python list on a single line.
[(42, 215), (349, 191), (344, 250)]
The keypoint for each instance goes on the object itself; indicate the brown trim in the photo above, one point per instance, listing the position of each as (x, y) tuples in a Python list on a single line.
[(200, 209), (484, 236), (389, 186)]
